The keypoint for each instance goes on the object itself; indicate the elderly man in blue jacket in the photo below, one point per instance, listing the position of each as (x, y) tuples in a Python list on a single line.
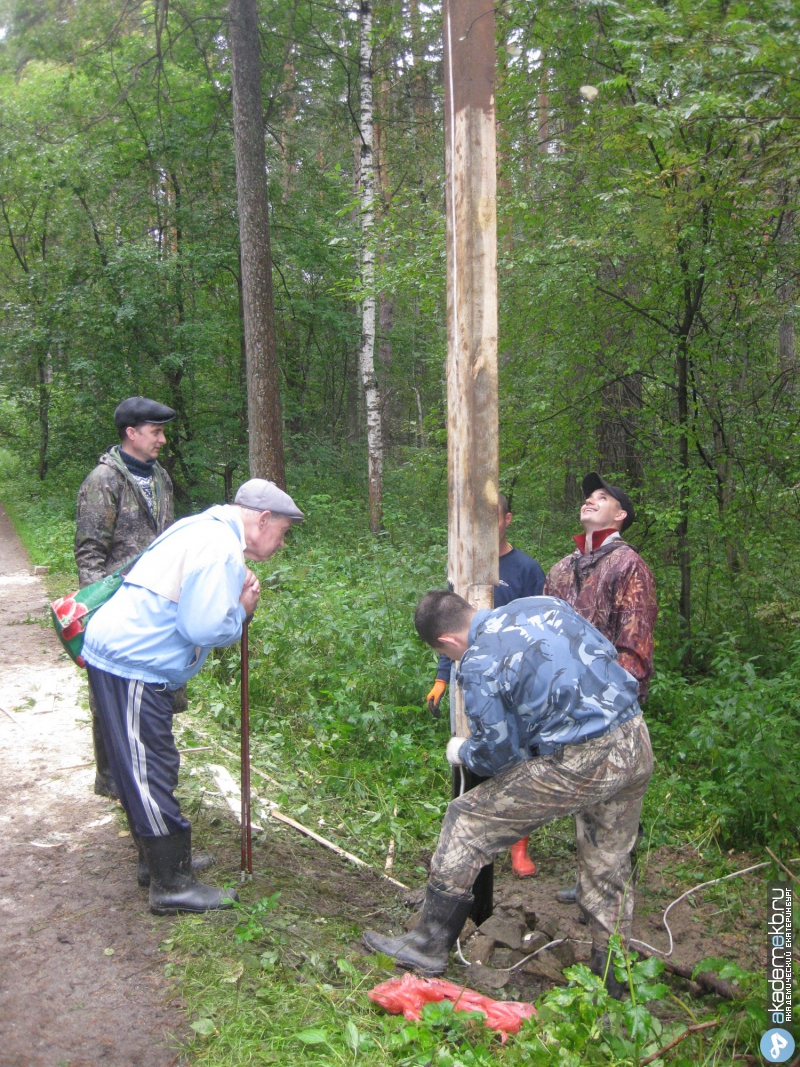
[(555, 721), (188, 593)]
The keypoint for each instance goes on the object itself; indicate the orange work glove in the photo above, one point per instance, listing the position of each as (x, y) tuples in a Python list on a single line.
[(435, 697)]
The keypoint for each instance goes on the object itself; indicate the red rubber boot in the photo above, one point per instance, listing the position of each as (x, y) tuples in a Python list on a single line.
[(523, 867)]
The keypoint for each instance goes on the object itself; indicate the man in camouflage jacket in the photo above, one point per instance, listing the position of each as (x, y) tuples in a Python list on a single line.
[(609, 584), (607, 581), (123, 505), (555, 721)]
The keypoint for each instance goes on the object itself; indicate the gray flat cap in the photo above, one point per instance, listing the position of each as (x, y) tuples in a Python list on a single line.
[(138, 409), (260, 495)]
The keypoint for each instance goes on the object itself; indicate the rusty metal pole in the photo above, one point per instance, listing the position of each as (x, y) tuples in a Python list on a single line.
[(472, 421), (247, 832)]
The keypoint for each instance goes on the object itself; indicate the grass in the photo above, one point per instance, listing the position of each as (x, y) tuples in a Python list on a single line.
[(275, 999)]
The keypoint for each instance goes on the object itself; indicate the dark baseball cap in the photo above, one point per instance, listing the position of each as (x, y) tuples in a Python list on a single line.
[(592, 482), (138, 409)]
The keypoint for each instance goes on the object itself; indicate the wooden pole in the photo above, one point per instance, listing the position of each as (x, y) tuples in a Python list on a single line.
[(472, 423), (247, 832)]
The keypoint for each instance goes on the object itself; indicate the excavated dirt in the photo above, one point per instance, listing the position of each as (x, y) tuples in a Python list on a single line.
[(81, 976)]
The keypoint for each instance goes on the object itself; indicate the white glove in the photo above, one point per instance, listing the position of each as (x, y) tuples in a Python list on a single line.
[(453, 746)]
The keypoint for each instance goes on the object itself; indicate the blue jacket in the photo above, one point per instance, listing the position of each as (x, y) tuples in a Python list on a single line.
[(536, 676), (165, 637)]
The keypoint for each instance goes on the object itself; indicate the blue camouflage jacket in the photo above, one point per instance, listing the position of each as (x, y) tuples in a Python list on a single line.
[(536, 676)]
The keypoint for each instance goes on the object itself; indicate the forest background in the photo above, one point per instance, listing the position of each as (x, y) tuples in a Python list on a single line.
[(647, 190), (648, 272)]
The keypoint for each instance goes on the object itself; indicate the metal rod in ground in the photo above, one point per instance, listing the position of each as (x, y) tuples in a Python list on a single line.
[(247, 830)]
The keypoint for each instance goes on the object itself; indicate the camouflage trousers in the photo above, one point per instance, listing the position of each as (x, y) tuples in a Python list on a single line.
[(601, 782)]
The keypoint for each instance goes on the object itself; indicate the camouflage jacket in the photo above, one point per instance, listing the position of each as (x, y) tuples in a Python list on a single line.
[(114, 523), (614, 589), (536, 676)]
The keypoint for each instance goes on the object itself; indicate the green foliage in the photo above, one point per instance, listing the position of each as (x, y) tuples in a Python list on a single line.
[(447, 1037), (650, 230), (733, 738), (251, 928), (651, 227), (649, 235), (581, 1024)]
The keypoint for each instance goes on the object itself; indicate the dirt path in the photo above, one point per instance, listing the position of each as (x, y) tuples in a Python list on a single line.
[(81, 975)]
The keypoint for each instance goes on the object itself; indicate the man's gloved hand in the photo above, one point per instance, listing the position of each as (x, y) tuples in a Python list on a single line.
[(453, 745), (435, 696)]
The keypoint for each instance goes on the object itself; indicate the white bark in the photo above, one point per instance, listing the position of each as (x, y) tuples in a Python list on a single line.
[(369, 380)]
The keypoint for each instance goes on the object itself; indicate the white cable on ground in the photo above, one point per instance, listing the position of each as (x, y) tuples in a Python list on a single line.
[(688, 893), (633, 940), (550, 944)]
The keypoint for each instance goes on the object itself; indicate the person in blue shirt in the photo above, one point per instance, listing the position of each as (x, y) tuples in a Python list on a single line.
[(555, 721), (188, 593), (520, 576)]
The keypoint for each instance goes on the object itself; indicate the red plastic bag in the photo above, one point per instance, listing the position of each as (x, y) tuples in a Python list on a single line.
[(409, 993)]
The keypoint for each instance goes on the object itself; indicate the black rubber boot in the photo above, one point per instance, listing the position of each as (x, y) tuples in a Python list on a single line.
[(201, 861), (104, 785), (427, 947), (173, 887), (567, 896), (597, 965)]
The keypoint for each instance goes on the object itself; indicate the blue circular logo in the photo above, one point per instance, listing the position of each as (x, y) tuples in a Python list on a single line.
[(777, 1045)]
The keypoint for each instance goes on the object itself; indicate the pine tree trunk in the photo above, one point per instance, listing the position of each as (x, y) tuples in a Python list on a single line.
[(369, 380), (265, 430)]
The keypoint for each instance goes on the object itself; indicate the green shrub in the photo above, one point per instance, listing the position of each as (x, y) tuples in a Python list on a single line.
[(735, 736)]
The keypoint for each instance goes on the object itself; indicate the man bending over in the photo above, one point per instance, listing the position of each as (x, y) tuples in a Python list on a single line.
[(189, 593), (555, 721)]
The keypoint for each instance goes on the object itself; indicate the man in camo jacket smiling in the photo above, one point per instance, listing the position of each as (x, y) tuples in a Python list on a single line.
[(607, 582)]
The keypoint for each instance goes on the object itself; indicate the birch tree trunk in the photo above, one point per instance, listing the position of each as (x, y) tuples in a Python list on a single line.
[(369, 380), (265, 430)]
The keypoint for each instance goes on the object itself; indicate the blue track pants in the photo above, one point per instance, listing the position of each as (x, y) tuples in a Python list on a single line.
[(136, 720)]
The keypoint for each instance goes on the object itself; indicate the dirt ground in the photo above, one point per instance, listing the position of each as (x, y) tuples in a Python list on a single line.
[(81, 975)]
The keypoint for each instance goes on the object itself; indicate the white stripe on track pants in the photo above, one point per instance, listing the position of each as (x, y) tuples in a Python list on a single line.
[(136, 720)]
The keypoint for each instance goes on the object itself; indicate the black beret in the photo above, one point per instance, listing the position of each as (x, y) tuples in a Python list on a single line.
[(138, 409), (593, 481)]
